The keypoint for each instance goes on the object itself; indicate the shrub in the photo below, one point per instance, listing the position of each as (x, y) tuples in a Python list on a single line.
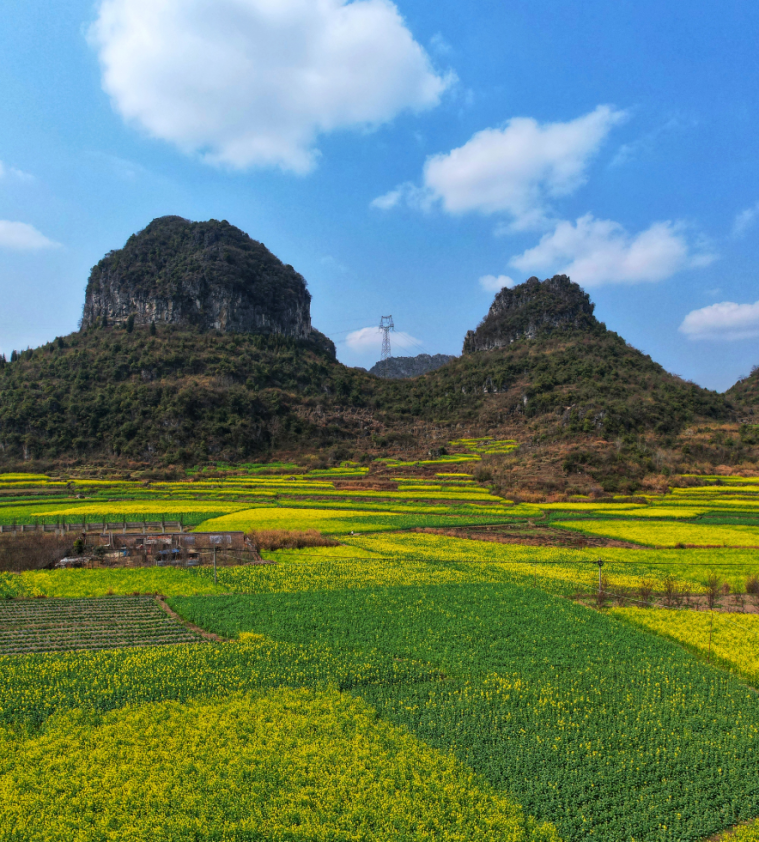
[(289, 539), (32, 550), (713, 586), (671, 591), (646, 590)]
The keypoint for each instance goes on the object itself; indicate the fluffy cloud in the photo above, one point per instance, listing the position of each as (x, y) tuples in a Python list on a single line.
[(515, 170), (418, 198), (22, 237), (598, 251), (255, 82), (745, 219), (722, 321), (493, 283), (370, 339), (12, 172)]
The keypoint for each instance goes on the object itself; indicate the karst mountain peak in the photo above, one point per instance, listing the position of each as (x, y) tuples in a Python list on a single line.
[(206, 275)]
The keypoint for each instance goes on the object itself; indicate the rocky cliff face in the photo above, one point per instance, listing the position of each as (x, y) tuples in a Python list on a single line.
[(530, 309), (200, 274), (401, 368)]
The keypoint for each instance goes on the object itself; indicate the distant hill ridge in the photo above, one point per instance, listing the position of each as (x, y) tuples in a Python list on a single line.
[(745, 393), (401, 368)]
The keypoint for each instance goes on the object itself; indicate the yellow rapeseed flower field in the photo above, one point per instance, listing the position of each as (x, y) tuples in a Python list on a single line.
[(668, 534), (734, 637), (285, 764), (138, 507)]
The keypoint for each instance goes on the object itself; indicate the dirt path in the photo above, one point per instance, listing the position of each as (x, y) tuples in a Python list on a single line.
[(206, 635)]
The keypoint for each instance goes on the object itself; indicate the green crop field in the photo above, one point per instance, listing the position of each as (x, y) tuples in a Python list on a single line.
[(400, 685), (535, 694)]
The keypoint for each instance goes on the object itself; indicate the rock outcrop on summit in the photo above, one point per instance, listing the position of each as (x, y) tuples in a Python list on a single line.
[(531, 309), (207, 275)]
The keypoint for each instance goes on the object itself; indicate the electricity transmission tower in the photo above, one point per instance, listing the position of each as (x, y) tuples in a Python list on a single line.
[(386, 325)]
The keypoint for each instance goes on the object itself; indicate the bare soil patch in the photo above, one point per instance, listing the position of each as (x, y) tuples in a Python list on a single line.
[(536, 536)]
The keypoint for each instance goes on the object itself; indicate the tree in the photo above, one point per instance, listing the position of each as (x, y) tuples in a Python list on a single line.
[(130, 323), (152, 329)]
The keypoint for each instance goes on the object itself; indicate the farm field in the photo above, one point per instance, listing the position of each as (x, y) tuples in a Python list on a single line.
[(534, 694), (248, 766), (69, 624), (728, 639), (663, 534), (75, 584), (462, 676)]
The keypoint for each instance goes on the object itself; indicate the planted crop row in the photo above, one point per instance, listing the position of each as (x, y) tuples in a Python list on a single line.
[(606, 731), (46, 626)]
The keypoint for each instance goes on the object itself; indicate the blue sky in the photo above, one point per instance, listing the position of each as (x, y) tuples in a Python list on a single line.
[(407, 158)]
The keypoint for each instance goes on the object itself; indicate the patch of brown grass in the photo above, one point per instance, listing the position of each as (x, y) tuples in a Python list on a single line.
[(32, 550), (289, 539)]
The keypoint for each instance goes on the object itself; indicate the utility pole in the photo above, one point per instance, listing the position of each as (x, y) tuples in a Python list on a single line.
[(214, 565), (600, 587), (386, 325)]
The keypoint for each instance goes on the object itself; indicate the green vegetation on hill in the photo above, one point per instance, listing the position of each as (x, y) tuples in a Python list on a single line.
[(180, 396), (745, 393), (585, 381), (204, 274), (186, 396), (532, 309)]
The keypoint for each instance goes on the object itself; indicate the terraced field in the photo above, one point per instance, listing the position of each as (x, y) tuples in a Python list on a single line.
[(56, 625), (402, 684)]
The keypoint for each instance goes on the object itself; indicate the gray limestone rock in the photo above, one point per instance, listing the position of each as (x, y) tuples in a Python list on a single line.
[(208, 275), (531, 309)]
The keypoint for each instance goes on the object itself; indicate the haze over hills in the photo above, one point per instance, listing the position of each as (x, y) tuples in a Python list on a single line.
[(196, 344)]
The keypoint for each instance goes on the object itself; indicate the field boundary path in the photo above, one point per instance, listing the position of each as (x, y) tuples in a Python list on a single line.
[(206, 635)]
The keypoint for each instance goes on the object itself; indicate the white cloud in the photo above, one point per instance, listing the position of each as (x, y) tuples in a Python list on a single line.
[(493, 283), (515, 170), (722, 321), (13, 172), (369, 339), (22, 237), (598, 251), (255, 82), (408, 194), (646, 144), (332, 263), (439, 45), (745, 219)]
